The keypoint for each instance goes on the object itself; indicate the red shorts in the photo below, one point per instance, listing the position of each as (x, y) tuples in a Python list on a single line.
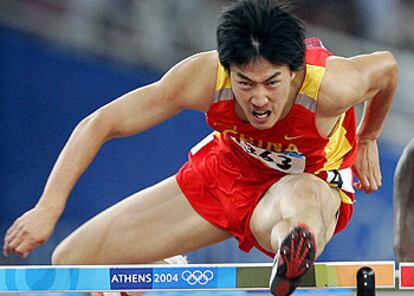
[(224, 185)]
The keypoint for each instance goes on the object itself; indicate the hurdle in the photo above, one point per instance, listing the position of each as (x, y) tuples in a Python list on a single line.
[(406, 275), (192, 277)]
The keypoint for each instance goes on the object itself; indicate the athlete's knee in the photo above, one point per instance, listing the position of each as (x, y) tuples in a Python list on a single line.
[(306, 202), (65, 254), (58, 255), (302, 192)]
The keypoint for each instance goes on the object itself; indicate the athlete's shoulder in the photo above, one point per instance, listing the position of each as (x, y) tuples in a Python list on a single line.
[(194, 80), (201, 63), (339, 84)]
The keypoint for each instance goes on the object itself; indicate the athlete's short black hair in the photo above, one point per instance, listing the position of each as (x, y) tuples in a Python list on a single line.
[(252, 29)]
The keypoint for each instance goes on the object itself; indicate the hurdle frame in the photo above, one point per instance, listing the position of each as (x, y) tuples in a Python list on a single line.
[(191, 277), (406, 276)]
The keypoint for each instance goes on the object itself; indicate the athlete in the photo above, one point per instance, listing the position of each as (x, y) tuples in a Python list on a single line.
[(404, 205), (275, 174)]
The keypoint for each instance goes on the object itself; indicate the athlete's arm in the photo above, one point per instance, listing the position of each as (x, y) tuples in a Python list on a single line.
[(189, 84), (371, 79), (404, 205)]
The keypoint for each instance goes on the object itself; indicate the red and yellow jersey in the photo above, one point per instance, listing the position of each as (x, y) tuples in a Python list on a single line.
[(293, 144)]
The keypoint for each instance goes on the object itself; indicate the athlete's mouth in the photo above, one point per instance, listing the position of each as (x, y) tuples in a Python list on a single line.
[(261, 114)]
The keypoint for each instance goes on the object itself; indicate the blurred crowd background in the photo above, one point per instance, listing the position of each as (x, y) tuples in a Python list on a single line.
[(62, 59)]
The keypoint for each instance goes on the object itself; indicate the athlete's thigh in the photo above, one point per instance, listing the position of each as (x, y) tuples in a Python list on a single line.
[(150, 225), (307, 190), (291, 197)]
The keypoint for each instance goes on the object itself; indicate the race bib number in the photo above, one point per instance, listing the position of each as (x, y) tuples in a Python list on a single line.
[(342, 179), (287, 162)]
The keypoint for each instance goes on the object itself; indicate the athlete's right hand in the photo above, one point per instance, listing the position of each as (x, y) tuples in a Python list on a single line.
[(29, 231)]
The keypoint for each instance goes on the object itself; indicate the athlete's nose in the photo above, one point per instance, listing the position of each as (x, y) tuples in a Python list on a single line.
[(260, 97), (259, 100)]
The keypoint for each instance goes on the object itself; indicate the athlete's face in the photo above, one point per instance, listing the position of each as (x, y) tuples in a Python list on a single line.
[(262, 92)]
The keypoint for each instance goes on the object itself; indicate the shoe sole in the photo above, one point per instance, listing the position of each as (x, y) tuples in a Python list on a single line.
[(296, 256)]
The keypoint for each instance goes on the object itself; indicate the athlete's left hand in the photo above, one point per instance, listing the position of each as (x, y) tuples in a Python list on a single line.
[(367, 166)]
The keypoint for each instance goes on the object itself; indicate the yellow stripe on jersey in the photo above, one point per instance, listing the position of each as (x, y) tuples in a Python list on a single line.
[(344, 198), (313, 79), (223, 79), (337, 147)]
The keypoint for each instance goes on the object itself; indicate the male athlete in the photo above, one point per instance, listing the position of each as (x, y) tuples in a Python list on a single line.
[(404, 205), (275, 174)]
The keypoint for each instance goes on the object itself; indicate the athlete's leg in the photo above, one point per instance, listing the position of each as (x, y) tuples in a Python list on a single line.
[(295, 219), (148, 226), (295, 199)]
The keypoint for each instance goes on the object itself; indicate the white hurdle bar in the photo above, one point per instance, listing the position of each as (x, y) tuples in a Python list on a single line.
[(17, 279)]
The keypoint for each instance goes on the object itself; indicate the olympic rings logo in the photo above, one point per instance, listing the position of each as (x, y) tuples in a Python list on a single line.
[(197, 277)]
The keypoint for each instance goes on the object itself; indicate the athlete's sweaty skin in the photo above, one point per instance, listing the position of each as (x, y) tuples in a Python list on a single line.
[(266, 75), (347, 82)]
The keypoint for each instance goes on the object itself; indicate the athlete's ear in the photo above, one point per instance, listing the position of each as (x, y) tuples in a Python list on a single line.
[(292, 75)]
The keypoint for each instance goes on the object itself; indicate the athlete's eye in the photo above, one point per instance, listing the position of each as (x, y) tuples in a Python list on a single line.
[(273, 83), (245, 84)]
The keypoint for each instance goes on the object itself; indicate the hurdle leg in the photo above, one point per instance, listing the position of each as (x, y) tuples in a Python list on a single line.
[(365, 281)]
